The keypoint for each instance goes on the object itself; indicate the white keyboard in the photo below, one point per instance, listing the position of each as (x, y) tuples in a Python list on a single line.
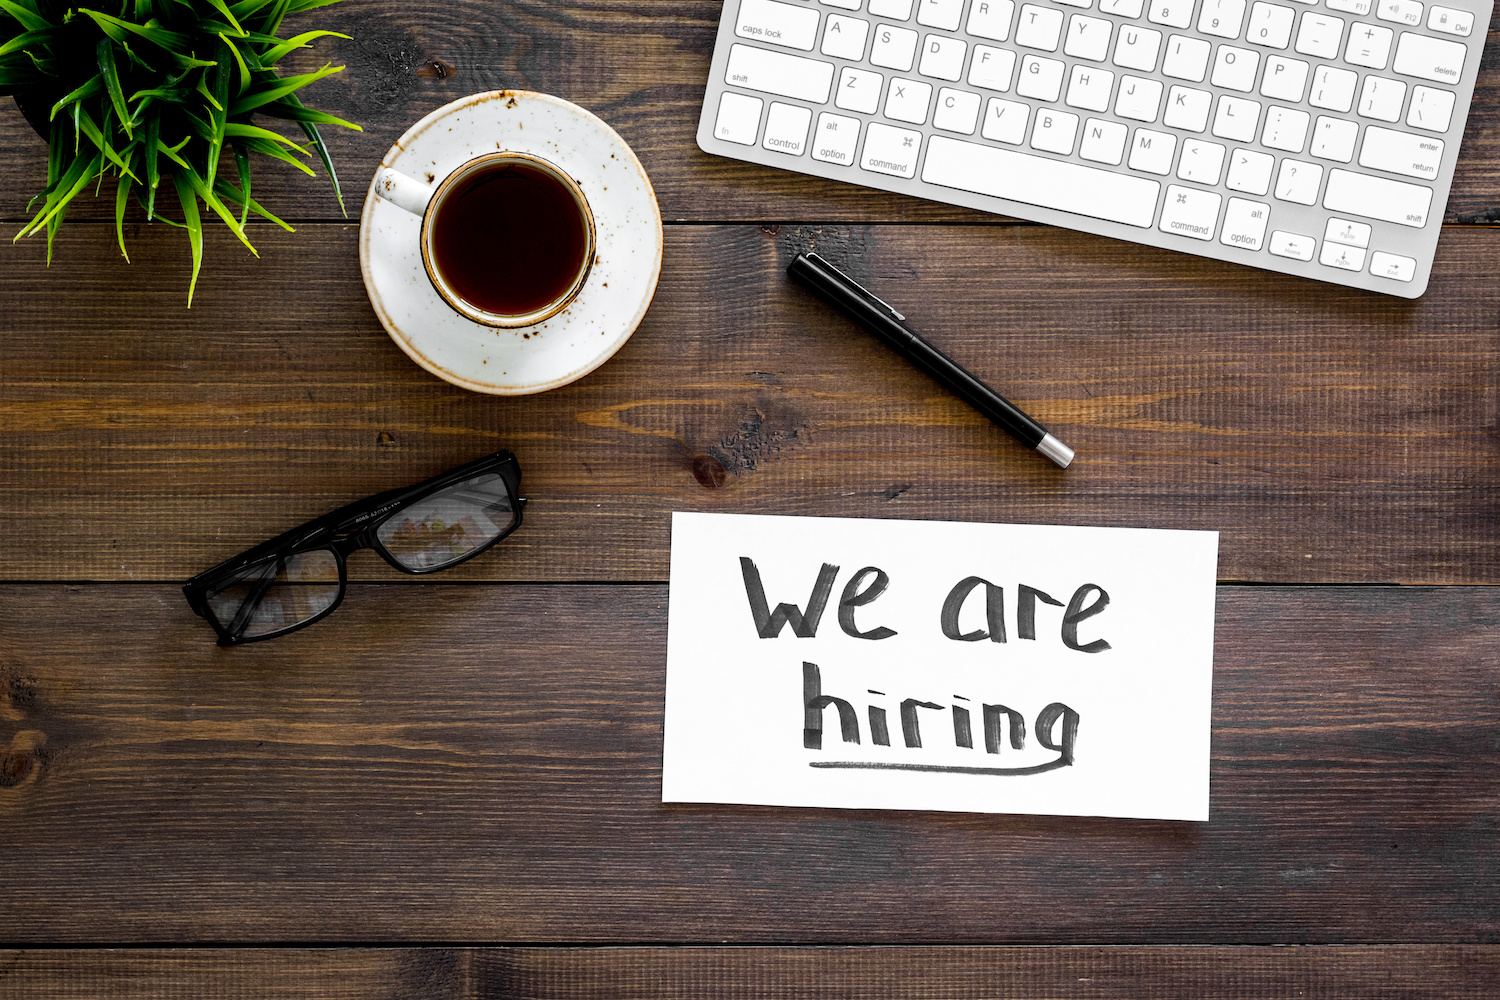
[(1315, 139)]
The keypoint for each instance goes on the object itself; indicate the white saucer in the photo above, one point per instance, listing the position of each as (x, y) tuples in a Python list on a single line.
[(614, 298)]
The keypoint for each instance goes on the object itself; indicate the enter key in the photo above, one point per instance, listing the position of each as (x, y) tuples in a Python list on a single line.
[(1401, 153)]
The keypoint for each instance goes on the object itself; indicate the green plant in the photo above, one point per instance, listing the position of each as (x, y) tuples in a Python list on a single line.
[(155, 90)]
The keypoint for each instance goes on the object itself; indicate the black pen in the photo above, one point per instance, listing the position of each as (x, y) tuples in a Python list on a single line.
[(875, 315)]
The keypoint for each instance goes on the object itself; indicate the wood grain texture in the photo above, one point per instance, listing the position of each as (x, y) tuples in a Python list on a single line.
[(641, 65), (1329, 435), (482, 764), (237, 974), (1178, 972)]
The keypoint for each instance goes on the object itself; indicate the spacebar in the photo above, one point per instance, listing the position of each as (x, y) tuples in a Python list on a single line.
[(1037, 180)]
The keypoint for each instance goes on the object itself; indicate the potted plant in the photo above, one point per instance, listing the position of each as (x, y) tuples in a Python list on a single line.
[(159, 94)]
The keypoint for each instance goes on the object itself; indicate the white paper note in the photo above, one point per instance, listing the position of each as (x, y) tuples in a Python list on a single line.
[(878, 664)]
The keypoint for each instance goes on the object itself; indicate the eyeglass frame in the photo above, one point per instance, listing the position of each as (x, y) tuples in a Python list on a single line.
[(345, 531)]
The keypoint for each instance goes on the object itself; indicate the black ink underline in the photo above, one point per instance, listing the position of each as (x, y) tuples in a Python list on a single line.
[(859, 765)]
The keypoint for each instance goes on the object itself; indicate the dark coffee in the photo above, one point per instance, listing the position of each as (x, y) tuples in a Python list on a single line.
[(509, 239)]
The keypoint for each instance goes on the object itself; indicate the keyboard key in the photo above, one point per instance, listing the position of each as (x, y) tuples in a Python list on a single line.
[(1187, 109), (1377, 198), (1136, 48), (991, 68), (836, 139), (1089, 88), (1347, 232), (943, 57), (991, 19), (894, 48), (1369, 45), (1103, 141), (1234, 69), (1334, 138), (1389, 265), (778, 23), (844, 37), (779, 73), (1292, 245), (1124, 8), (1298, 182), (1431, 109), (891, 150), (1245, 224), (1221, 17), (897, 10), (1286, 129), (1333, 89), (1401, 153), (859, 90), (1186, 58), (1152, 151), (1139, 99), (843, 4), (1088, 38), (1320, 35), (1236, 118), (1382, 99), (1448, 21), (1342, 257), (1408, 12), (956, 111), (1172, 13), (1040, 78), (1357, 7), (943, 14), (1005, 121), (786, 128), (1190, 213), (1033, 180), (739, 118), (1284, 79), (907, 101), (1054, 131), (1270, 25), (1429, 58), (1201, 162), (1039, 27), (1076, 3), (1250, 172)]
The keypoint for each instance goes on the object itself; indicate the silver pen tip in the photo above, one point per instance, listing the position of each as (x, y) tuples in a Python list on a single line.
[(1055, 450)]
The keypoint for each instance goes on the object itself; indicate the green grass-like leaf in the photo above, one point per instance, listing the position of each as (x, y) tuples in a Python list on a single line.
[(153, 90)]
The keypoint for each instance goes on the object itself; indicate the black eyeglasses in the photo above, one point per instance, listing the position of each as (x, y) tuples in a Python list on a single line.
[(298, 577)]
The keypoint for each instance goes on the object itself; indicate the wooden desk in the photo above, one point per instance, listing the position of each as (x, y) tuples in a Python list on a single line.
[(475, 760)]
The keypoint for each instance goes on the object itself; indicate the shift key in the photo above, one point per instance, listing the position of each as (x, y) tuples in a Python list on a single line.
[(1377, 198), (779, 73)]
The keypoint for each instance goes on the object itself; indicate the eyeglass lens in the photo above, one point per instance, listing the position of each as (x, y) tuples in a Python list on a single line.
[(301, 586), (448, 526)]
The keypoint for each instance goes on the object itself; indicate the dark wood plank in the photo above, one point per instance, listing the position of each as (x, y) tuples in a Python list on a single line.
[(1330, 435), (482, 763), (1177, 972), (234, 973), (641, 65), (1037, 973)]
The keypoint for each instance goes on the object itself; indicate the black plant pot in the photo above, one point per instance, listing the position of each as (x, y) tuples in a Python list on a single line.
[(35, 105)]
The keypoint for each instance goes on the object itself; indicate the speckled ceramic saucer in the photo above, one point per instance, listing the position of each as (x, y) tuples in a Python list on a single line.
[(619, 287)]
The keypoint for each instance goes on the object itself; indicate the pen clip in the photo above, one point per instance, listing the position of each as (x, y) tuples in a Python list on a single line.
[(823, 263)]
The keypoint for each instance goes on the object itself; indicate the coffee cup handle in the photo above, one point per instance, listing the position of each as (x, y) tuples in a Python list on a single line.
[(403, 191)]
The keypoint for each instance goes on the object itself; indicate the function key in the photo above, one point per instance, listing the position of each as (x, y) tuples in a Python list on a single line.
[(1450, 21), (1360, 7), (1407, 12)]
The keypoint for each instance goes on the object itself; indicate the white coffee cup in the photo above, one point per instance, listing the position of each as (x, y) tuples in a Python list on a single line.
[(425, 200)]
